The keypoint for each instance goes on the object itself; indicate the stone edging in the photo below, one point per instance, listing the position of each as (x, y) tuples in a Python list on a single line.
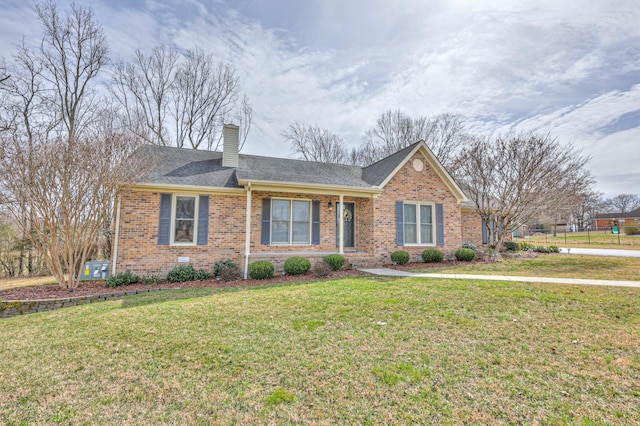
[(10, 308)]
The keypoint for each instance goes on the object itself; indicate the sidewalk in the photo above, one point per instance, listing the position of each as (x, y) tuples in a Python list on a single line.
[(386, 272), (601, 252)]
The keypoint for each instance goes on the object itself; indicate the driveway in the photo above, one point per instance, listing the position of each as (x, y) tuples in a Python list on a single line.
[(601, 252)]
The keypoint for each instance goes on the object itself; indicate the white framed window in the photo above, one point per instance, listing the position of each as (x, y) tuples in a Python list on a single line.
[(419, 228), (290, 221), (184, 219)]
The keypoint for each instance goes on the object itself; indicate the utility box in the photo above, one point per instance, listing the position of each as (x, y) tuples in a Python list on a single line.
[(95, 270)]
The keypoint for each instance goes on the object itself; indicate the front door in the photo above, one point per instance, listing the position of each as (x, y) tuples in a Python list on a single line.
[(349, 220)]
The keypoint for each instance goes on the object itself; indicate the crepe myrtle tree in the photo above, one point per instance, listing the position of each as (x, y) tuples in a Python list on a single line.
[(61, 163), (514, 178)]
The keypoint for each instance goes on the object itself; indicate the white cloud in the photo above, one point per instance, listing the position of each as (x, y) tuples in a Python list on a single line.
[(568, 66)]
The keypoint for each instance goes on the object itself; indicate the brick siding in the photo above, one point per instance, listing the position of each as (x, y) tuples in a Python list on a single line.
[(375, 233)]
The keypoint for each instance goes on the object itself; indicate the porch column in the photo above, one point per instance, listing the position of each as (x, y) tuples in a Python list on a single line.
[(341, 224), (247, 233)]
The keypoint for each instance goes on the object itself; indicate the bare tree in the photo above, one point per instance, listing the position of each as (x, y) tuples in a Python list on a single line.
[(143, 88), (56, 163), (585, 212), (189, 96), (622, 203), (513, 179), (315, 144), (73, 51), (444, 134)]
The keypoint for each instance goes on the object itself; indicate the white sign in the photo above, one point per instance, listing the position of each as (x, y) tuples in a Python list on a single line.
[(183, 259)]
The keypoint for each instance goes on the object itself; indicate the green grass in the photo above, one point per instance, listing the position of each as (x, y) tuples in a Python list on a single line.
[(553, 265), (348, 351), (598, 239)]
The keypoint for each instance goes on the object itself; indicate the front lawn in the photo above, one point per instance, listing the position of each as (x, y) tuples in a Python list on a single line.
[(551, 265), (346, 351)]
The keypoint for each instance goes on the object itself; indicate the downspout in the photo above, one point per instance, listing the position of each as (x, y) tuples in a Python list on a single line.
[(247, 232), (341, 223), (114, 255)]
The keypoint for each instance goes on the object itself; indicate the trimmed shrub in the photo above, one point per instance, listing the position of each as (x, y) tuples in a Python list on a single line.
[(631, 230), (432, 256), (322, 269), (465, 254), (261, 270), (334, 260), (184, 273), (470, 245), (297, 265), (231, 273), (221, 265), (512, 246), (554, 249), (122, 278), (401, 257)]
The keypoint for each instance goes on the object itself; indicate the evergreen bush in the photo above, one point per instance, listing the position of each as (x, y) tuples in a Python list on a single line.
[(465, 254), (297, 265), (334, 260), (261, 270), (184, 273), (432, 256), (401, 257), (122, 278)]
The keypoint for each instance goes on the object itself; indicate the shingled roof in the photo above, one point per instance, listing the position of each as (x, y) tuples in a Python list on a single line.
[(193, 168), (631, 214)]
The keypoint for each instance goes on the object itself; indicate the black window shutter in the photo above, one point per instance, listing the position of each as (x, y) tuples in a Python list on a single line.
[(440, 224), (399, 223), (315, 223), (265, 237), (485, 233), (164, 227), (203, 220)]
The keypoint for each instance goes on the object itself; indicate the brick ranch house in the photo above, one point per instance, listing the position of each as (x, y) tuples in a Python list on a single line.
[(608, 220), (200, 207)]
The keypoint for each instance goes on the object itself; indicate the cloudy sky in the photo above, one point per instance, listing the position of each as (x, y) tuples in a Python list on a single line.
[(567, 67)]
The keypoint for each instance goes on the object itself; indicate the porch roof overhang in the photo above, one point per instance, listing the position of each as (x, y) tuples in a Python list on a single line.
[(310, 188), (188, 189)]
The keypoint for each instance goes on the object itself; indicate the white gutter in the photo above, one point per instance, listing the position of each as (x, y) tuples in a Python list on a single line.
[(114, 255), (247, 231)]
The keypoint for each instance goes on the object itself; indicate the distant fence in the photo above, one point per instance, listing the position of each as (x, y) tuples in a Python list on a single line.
[(585, 235)]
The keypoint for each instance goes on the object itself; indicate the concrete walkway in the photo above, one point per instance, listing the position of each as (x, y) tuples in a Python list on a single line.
[(601, 252), (574, 281)]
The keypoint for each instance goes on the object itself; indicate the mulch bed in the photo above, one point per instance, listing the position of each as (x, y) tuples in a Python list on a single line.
[(91, 288)]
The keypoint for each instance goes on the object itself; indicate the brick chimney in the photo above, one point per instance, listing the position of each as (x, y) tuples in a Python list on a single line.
[(230, 145)]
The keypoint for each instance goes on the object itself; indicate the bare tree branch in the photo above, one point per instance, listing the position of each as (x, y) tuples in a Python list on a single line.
[(189, 96), (444, 134), (622, 203), (315, 144)]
